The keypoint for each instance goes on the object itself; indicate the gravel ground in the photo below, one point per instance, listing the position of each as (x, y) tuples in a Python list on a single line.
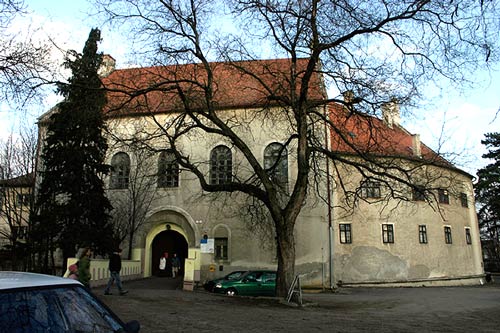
[(160, 305)]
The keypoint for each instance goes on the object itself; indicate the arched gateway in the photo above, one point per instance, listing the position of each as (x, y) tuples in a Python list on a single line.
[(168, 241), (171, 230)]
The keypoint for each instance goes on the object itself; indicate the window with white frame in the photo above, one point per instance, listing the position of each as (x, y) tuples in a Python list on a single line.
[(120, 171), (447, 235), (220, 248), (370, 189), (221, 165), (468, 238), (345, 233), (221, 243), (388, 233), (422, 234), (443, 196), (463, 200)]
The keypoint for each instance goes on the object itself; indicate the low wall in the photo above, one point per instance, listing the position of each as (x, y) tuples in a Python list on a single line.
[(131, 270)]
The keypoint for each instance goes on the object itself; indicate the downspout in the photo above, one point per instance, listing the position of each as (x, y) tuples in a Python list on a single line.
[(329, 205)]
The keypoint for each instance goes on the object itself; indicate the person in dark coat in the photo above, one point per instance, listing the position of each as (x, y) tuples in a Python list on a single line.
[(115, 266), (176, 264)]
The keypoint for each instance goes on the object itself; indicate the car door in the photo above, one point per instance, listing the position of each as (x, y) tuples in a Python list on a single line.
[(268, 284), (250, 284)]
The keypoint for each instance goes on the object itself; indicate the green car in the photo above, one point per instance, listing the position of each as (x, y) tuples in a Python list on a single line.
[(252, 283)]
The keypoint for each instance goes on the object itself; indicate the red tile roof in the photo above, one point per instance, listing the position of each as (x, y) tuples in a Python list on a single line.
[(355, 133), (234, 86), (253, 84)]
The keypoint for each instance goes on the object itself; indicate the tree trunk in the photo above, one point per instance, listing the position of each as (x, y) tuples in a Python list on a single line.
[(130, 240), (285, 242)]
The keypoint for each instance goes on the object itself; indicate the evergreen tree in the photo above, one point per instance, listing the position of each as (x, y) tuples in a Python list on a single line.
[(73, 210), (488, 196)]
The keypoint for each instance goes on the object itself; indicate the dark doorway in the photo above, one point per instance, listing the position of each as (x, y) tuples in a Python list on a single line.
[(168, 241)]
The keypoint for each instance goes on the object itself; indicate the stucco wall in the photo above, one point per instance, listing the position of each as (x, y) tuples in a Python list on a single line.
[(368, 259)]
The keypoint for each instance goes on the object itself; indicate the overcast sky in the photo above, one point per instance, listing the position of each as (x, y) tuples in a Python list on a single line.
[(465, 118)]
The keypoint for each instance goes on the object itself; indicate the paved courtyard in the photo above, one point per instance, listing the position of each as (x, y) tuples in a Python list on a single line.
[(161, 306)]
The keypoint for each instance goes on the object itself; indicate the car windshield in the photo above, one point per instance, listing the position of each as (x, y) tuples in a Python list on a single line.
[(61, 309), (234, 275)]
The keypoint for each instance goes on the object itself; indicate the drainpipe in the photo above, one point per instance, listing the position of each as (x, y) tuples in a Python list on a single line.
[(329, 204)]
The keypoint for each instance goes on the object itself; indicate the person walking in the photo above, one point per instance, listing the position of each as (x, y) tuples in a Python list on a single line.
[(176, 264), (115, 266), (84, 267), (163, 265)]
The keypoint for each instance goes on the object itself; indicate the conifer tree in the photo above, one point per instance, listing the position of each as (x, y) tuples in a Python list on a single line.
[(73, 210), (488, 196)]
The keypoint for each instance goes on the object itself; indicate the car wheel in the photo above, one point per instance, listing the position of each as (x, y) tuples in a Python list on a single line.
[(231, 292)]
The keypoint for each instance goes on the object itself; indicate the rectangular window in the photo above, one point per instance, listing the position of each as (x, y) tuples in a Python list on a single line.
[(463, 200), (23, 199), (345, 233), (370, 189), (20, 232), (388, 233), (422, 234), (220, 245), (418, 193), (447, 235), (443, 196), (468, 238)]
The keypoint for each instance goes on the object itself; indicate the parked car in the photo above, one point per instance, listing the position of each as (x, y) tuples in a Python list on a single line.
[(251, 283), (209, 285), (32, 302)]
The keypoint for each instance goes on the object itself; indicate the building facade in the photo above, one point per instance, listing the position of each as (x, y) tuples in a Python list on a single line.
[(402, 239)]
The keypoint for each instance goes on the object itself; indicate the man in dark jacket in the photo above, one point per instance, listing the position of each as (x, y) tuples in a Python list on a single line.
[(115, 266)]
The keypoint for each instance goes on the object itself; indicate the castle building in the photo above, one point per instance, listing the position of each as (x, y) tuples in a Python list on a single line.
[(357, 227)]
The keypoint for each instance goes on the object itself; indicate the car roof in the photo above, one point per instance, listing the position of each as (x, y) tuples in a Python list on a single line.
[(260, 271), (13, 280)]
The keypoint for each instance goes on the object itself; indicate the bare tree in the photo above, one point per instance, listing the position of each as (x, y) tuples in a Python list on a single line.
[(25, 63), (379, 51), (131, 206), (17, 158)]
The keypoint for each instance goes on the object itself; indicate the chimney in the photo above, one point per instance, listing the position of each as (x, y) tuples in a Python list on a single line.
[(416, 147), (107, 65), (348, 96), (390, 113)]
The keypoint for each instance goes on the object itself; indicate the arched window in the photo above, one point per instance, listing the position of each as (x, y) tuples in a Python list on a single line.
[(168, 170), (120, 171), (276, 164), (221, 165)]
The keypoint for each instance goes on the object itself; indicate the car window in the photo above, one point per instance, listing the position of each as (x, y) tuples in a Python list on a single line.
[(30, 311), (62, 309), (254, 276), (251, 276), (234, 276), (268, 277), (84, 313)]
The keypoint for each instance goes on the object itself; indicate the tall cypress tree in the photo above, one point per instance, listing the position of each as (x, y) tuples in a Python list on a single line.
[(73, 210), (488, 196)]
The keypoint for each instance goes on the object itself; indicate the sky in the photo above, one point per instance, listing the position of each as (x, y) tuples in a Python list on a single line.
[(453, 122)]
